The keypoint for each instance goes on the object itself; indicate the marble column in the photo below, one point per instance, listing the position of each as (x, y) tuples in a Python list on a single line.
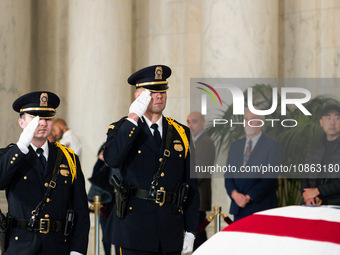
[(49, 51), (15, 41), (98, 64), (169, 32), (311, 42), (239, 40)]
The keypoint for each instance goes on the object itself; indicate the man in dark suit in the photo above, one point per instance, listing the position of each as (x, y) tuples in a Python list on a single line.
[(324, 151), (204, 156), (153, 155), (44, 185), (252, 194)]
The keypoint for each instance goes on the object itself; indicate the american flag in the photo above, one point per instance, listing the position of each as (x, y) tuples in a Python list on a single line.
[(287, 230)]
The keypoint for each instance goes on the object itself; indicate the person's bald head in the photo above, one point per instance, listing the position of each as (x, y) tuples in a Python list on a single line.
[(59, 127), (196, 123)]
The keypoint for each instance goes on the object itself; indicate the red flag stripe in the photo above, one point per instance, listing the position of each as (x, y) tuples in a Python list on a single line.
[(316, 230)]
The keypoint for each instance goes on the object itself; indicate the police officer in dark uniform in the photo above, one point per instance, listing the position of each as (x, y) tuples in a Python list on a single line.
[(153, 155), (45, 187)]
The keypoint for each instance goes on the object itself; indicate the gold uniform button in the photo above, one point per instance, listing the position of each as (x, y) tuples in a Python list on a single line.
[(162, 174), (48, 200), (65, 240), (131, 132), (65, 181), (16, 155), (133, 128), (16, 238), (130, 208), (11, 162), (130, 135), (180, 155), (160, 159), (139, 151), (25, 177), (46, 184), (47, 216), (13, 158)]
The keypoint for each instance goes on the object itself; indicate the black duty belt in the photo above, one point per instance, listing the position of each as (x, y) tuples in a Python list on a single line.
[(161, 196), (43, 226)]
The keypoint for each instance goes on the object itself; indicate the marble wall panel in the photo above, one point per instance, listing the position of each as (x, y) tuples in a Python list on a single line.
[(240, 39)]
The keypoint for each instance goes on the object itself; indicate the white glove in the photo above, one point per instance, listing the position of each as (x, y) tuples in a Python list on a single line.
[(141, 103), (75, 253), (188, 244), (27, 135)]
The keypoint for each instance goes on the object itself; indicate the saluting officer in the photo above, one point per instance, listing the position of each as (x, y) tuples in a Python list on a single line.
[(153, 155), (45, 187)]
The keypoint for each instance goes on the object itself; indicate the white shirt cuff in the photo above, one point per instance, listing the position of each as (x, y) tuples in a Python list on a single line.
[(132, 121), (23, 148)]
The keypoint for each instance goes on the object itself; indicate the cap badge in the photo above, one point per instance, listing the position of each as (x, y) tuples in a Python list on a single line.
[(158, 73), (43, 99)]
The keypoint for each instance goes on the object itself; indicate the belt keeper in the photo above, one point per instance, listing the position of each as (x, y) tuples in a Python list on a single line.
[(166, 153), (52, 184)]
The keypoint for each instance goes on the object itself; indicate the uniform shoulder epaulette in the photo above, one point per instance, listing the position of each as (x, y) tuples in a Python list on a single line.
[(3, 150), (116, 124), (70, 157), (181, 131)]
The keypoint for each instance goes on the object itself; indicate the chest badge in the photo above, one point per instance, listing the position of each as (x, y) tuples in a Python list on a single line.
[(64, 172), (178, 147)]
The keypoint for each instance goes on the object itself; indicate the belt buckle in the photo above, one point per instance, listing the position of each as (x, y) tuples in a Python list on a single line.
[(44, 227), (160, 197)]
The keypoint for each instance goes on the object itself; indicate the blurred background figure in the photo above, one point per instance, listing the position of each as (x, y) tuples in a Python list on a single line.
[(100, 187), (62, 134), (205, 156), (250, 195)]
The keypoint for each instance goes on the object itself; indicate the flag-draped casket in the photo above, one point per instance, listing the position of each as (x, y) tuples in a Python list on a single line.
[(286, 230)]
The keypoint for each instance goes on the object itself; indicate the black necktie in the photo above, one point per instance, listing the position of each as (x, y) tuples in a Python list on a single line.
[(156, 135), (42, 158)]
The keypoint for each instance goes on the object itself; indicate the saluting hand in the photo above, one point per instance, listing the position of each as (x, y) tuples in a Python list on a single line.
[(141, 103), (27, 134)]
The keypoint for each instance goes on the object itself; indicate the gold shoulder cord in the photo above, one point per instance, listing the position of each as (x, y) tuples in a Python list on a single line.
[(181, 132), (71, 162)]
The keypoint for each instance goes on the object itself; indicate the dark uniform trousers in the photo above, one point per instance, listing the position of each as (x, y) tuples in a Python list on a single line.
[(147, 227), (25, 184)]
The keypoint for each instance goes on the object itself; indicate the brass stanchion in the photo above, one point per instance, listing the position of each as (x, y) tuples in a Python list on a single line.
[(97, 205), (217, 217), (217, 213)]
